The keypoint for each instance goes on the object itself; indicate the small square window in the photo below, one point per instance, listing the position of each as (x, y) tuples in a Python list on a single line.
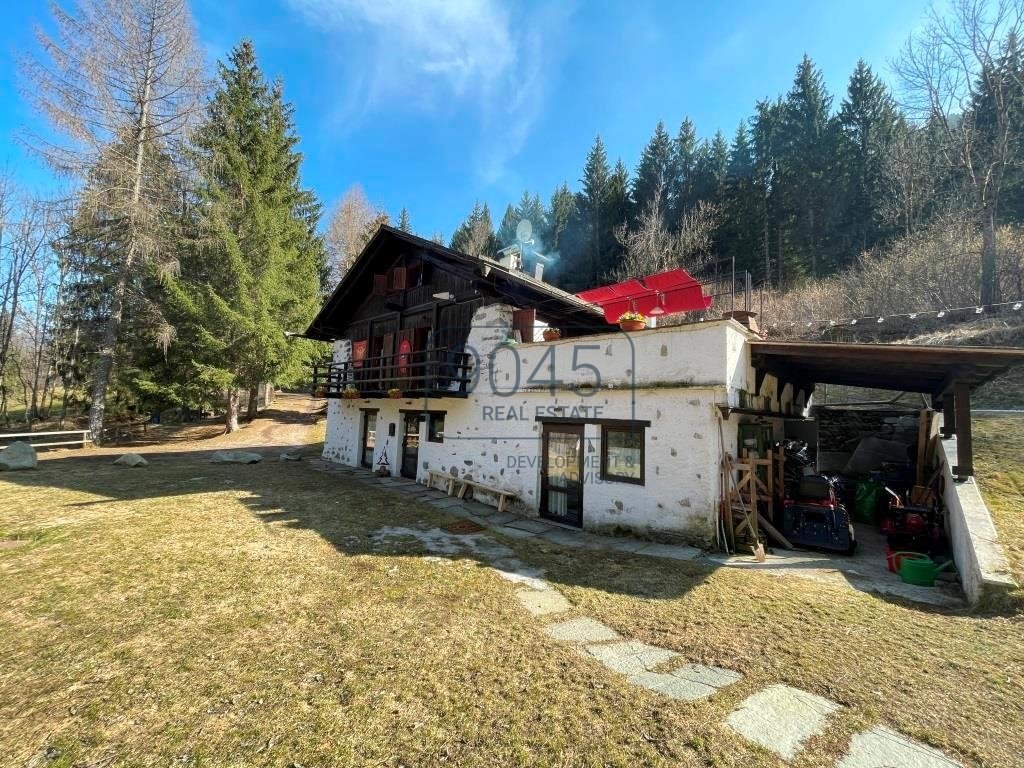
[(622, 454), (435, 422)]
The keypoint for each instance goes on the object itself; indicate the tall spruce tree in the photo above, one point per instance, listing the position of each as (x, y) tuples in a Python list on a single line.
[(592, 204), (740, 232), (682, 195), (404, 223), (475, 235), (507, 229), (250, 271), (867, 125), (653, 178), (805, 168)]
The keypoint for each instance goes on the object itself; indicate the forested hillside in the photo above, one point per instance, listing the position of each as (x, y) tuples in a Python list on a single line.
[(811, 181)]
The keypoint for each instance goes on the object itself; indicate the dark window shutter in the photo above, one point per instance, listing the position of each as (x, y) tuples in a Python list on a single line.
[(399, 281), (380, 285), (523, 321)]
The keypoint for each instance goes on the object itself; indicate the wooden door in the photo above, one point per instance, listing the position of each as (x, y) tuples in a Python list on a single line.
[(561, 480)]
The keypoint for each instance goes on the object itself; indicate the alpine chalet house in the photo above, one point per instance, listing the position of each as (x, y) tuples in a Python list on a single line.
[(448, 369)]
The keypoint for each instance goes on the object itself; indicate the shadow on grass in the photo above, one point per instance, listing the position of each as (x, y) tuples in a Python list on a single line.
[(349, 512)]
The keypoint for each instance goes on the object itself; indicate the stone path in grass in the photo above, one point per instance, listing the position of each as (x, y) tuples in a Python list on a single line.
[(778, 718)]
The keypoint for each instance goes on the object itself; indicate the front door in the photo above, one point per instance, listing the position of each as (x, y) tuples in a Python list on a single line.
[(561, 482), (411, 445), (369, 437)]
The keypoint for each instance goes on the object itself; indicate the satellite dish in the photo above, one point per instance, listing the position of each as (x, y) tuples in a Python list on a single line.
[(523, 230)]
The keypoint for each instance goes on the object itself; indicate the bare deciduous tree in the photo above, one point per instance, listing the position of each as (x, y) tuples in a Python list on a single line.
[(651, 247), (120, 82), (353, 222), (953, 76)]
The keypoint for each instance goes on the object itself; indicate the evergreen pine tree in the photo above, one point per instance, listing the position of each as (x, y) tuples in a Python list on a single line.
[(805, 166), (507, 229), (592, 204), (403, 220), (684, 164), (251, 270), (654, 172), (867, 124)]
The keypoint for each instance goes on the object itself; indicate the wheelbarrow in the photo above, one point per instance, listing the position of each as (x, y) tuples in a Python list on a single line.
[(919, 570)]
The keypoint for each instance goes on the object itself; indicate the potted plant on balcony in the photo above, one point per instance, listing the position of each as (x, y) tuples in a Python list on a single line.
[(395, 393), (632, 321), (552, 334), (350, 393)]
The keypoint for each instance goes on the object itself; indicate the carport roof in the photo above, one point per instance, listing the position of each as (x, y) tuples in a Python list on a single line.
[(901, 367)]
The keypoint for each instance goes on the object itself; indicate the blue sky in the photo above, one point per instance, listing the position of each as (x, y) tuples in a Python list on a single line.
[(435, 104)]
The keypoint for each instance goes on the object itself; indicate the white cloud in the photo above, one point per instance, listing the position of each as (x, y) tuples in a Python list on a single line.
[(477, 59)]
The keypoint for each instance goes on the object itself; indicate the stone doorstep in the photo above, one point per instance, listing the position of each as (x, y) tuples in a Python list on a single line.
[(780, 718), (529, 524), (630, 657), (882, 747), (580, 631)]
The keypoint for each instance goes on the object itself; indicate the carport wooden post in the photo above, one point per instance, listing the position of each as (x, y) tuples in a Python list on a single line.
[(948, 415), (964, 447)]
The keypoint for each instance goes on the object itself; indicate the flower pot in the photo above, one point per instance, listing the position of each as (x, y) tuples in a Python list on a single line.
[(632, 325), (350, 395), (550, 335), (395, 395)]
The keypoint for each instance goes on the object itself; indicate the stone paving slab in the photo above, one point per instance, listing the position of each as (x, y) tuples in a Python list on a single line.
[(529, 524), (445, 503), (542, 603), (480, 509), (781, 718), (672, 686), (515, 533), (626, 545), (583, 630), (563, 538), (501, 518), (515, 570), (883, 747), (411, 488), (671, 551), (630, 657), (715, 677)]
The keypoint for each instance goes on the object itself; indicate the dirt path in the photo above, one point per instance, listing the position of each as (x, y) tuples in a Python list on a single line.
[(289, 422)]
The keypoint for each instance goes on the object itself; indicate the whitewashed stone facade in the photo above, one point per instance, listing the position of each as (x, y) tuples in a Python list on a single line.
[(674, 378)]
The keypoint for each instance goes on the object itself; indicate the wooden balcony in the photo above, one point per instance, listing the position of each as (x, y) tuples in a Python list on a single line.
[(426, 373)]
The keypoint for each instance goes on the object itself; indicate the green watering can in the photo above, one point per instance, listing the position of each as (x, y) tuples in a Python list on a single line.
[(920, 569)]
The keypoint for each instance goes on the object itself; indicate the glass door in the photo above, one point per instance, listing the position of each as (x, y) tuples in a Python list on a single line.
[(410, 445), (561, 482), (369, 437)]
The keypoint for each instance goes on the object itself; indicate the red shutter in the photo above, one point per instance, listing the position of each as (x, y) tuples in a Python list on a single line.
[(405, 349), (380, 285), (358, 353), (523, 321)]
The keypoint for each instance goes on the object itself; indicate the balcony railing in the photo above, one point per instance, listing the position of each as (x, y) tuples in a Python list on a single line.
[(435, 372)]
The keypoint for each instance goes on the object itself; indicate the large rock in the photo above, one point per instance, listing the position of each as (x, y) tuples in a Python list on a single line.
[(235, 457), (131, 460), (18, 455)]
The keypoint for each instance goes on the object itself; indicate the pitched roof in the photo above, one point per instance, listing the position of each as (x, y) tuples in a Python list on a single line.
[(500, 281)]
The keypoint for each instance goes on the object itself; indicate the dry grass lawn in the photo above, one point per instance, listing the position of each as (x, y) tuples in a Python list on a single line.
[(191, 614)]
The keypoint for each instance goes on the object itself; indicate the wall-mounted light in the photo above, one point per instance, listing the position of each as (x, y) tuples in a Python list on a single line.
[(444, 296)]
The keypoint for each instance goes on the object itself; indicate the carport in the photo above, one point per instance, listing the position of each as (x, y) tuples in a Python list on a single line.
[(947, 374)]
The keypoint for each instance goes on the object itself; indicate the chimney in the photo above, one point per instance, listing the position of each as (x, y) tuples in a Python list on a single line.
[(743, 317), (538, 271)]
